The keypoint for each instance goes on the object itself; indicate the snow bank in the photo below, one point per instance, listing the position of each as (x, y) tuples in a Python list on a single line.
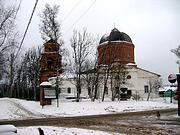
[(7, 128), (16, 108)]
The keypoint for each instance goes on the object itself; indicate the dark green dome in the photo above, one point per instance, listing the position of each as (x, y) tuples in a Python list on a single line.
[(115, 35)]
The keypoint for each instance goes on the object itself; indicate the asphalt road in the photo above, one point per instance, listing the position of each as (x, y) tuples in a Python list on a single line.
[(131, 123)]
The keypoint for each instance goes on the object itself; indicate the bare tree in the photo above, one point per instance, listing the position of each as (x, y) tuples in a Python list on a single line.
[(90, 78), (50, 29), (81, 44), (49, 26), (176, 51), (113, 70), (34, 69), (87, 76), (118, 75), (91, 74), (27, 78), (10, 71), (154, 85), (8, 36), (106, 73)]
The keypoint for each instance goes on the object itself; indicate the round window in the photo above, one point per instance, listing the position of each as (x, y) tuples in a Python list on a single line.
[(129, 77)]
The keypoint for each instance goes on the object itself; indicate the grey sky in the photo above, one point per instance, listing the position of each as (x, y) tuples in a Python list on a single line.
[(151, 24)]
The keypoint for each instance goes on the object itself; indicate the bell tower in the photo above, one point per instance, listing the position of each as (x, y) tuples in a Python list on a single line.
[(50, 61), (50, 64)]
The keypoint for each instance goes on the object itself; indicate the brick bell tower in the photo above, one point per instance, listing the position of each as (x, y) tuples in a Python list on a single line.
[(50, 63)]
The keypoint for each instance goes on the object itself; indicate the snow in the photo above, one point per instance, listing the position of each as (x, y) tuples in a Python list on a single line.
[(131, 64), (7, 128), (12, 108), (63, 76), (50, 130), (21, 109), (45, 84), (166, 88), (118, 41), (9, 133)]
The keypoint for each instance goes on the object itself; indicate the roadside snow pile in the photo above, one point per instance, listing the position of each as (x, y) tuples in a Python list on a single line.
[(16, 108), (11, 110), (50, 130)]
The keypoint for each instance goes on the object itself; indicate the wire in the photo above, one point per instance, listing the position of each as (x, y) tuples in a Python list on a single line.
[(26, 29), (71, 10), (18, 9), (81, 16)]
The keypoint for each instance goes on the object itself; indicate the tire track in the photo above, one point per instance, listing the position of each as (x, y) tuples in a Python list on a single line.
[(128, 123)]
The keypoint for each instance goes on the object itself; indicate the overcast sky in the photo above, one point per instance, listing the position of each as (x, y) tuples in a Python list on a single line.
[(153, 26)]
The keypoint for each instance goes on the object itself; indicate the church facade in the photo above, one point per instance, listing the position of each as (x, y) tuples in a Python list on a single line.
[(126, 79), (116, 76)]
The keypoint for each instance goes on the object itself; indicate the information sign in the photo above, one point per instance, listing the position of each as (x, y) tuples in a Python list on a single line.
[(49, 93)]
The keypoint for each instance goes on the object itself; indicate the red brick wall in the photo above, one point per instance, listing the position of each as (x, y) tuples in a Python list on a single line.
[(110, 52), (50, 53), (50, 47)]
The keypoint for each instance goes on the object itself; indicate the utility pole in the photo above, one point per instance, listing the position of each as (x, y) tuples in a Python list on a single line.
[(57, 74), (57, 89), (178, 82)]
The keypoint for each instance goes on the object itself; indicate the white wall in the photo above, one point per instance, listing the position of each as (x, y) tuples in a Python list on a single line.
[(139, 78)]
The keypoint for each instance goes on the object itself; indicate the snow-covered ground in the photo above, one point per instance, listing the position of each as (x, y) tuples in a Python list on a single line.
[(49, 130), (11, 108)]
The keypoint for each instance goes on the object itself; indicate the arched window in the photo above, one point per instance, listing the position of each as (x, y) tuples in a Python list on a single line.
[(49, 63), (68, 90)]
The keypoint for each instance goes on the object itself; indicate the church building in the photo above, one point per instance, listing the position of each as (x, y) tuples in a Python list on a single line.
[(116, 75), (126, 79)]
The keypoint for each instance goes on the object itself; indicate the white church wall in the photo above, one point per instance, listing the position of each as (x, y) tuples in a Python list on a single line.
[(144, 79), (137, 82)]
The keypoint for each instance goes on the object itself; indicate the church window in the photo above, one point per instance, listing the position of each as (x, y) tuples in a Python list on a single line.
[(68, 90), (129, 77), (49, 64), (146, 89)]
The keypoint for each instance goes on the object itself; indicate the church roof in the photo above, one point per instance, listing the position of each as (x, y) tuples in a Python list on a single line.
[(115, 35)]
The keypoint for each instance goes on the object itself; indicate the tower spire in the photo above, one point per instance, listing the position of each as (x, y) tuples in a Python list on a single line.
[(114, 25)]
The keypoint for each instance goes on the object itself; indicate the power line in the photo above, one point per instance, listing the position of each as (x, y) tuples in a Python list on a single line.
[(26, 29), (81, 15), (18, 9), (71, 10)]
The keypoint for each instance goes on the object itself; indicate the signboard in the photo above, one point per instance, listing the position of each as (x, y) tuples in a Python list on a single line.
[(172, 78), (49, 93)]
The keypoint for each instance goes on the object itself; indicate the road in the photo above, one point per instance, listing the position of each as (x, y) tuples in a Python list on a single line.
[(131, 123)]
